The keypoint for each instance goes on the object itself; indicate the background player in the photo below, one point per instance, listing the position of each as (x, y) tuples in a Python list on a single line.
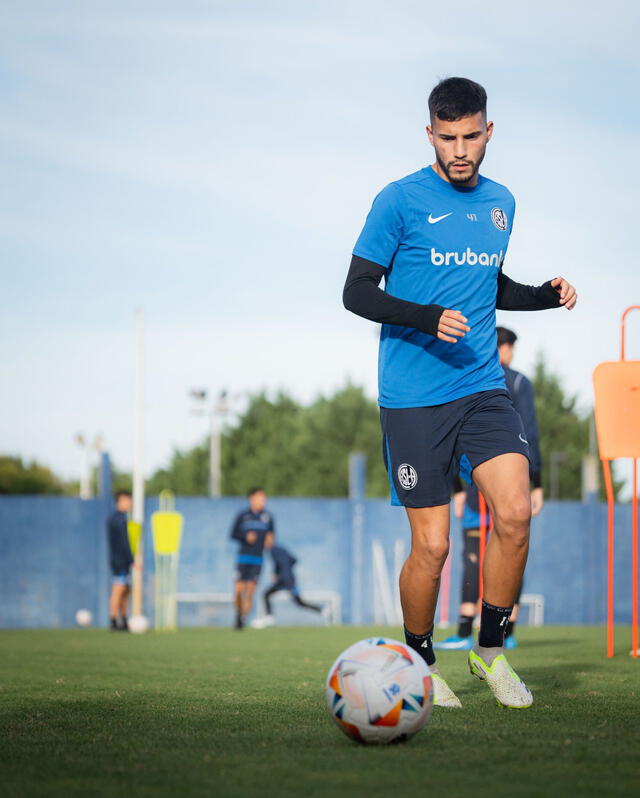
[(120, 560), (283, 579), (466, 505), (439, 238), (253, 528)]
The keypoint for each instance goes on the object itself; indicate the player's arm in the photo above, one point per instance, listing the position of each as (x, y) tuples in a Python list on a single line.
[(525, 405), (459, 496), (552, 294), (236, 530), (363, 296)]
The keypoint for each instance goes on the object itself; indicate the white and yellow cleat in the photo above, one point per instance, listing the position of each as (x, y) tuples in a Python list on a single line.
[(507, 687), (443, 695)]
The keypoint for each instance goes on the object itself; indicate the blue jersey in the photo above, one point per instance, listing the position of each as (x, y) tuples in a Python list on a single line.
[(440, 245), (261, 524)]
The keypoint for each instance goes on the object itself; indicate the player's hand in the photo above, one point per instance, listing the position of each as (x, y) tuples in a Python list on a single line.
[(251, 537), (458, 503), (452, 325), (537, 500), (568, 295)]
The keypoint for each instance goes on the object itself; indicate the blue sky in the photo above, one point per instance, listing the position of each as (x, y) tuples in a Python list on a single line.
[(213, 163)]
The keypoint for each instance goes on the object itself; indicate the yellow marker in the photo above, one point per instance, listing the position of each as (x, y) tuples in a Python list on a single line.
[(166, 530)]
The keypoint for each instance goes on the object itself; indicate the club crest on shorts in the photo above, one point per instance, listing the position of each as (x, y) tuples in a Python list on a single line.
[(407, 476), (499, 218)]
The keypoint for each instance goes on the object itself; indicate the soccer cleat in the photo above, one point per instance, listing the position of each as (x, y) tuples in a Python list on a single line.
[(443, 695), (507, 687), (455, 643), (262, 623), (510, 643)]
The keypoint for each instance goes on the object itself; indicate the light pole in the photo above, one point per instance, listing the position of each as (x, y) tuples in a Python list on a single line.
[(85, 473), (217, 409), (555, 460)]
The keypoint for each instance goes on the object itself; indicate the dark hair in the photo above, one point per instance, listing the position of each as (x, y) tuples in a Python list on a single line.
[(251, 491), (120, 493), (506, 336), (454, 98)]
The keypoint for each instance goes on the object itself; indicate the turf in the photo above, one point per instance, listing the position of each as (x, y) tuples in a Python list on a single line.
[(213, 712)]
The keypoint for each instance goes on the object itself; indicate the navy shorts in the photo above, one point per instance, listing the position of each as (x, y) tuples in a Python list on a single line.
[(248, 573), (425, 447)]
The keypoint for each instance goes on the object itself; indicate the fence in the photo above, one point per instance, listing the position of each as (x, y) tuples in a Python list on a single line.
[(53, 557)]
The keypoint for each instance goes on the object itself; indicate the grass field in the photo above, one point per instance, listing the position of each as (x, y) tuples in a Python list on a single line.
[(221, 713)]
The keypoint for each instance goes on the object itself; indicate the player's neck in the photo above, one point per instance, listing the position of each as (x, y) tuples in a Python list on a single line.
[(472, 183)]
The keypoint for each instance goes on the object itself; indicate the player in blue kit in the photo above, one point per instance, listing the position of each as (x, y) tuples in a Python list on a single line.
[(439, 238), (254, 529)]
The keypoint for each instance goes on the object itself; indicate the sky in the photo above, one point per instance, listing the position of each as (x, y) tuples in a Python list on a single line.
[(213, 162)]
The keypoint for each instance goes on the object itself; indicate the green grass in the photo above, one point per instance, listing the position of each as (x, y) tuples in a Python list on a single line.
[(218, 713)]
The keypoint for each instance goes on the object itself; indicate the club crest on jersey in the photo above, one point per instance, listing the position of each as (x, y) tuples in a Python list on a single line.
[(499, 218), (407, 476)]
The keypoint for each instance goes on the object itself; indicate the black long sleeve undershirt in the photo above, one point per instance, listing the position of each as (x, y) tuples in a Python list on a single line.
[(516, 296), (363, 296)]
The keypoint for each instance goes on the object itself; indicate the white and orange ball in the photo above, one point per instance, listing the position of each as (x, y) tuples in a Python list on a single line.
[(379, 691), (84, 618)]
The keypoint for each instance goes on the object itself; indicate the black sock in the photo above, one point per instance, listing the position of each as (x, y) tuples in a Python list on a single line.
[(465, 622), (510, 627), (114, 623), (423, 644), (492, 625)]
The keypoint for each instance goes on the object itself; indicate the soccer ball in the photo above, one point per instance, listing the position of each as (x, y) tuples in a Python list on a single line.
[(379, 691), (138, 624), (84, 617)]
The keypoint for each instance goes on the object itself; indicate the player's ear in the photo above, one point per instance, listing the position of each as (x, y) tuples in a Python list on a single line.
[(489, 130), (429, 133)]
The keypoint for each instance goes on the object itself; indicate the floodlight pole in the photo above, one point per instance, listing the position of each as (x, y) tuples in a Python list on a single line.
[(138, 465)]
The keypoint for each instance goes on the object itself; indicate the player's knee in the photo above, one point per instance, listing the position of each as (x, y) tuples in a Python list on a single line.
[(515, 517), (432, 551)]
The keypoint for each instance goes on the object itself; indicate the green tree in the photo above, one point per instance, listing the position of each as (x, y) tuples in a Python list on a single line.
[(187, 473), (564, 434), (333, 428), (19, 477), (289, 449)]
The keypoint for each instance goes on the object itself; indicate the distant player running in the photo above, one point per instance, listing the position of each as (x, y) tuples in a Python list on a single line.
[(253, 528), (283, 579), (467, 504), (439, 238)]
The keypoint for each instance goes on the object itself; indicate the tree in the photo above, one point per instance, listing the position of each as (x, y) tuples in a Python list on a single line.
[(288, 449), (564, 434), (19, 477), (187, 473)]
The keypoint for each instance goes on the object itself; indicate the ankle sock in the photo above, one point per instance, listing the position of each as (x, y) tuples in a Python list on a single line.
[(465, 623), (423, 644), (493, 623)]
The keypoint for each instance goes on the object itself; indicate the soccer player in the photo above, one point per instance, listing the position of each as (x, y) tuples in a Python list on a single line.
[(439, 238), (466, 504), (120, 560), (283, 579), (253, 528)]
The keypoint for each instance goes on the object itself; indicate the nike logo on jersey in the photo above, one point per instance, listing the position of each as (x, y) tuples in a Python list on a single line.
[(522, 438), (435, 219)]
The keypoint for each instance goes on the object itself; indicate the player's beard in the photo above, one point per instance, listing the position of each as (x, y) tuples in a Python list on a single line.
[(453, 177)]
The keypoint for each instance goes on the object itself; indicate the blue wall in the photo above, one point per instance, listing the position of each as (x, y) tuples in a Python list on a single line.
[(53, 556)]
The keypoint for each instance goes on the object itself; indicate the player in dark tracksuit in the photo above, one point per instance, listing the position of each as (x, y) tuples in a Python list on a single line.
[(253, 528), (284, 579), (120, 560), (521, 392)]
